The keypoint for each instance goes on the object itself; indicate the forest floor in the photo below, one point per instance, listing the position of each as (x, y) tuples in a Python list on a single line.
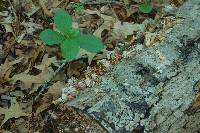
[(27, 66)]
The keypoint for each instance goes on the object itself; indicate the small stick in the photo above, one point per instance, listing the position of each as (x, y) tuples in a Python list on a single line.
[(44, 86), (101, 2)]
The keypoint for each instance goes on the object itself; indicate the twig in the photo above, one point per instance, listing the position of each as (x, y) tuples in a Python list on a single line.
[(44, 86), (102, 2)]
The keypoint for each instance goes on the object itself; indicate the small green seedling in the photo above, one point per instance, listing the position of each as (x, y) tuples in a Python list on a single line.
[(68, 38), (78, 7), (146, 6)]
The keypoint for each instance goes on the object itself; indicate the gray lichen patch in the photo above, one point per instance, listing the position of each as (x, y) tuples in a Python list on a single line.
[(175, 99), (154, 91)]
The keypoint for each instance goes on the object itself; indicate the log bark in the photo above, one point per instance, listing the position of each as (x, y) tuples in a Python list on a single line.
[(154, 91)]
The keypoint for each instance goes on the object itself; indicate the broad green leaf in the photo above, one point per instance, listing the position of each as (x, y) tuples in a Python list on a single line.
[(63, 20), (90, 43), (145, 7), (51, 37), (70, 49)]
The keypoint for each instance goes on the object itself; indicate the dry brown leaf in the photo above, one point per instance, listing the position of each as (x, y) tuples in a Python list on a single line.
[(6, 131), (119, 30), (8, 27), (26, 79), (122, 30), (5, 70), (34, 81), (6, 22), (197, 101), (46, 73), (108, 22), (74, 68), (56, 90), (83, 53), (131, 10), (14, 111), (49, 5), (21, 126), (34, 54), (103, 27), (44, 8), (44, 105), (28, 5), (46, 62), (2, 54), (2, 90)]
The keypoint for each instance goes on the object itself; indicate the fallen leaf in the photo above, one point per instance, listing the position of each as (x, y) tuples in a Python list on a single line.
[(46, 62), (43, 106), (197, 102), (122, 30), (46, 73), (74, 68), (27, 79), (6, 131), (82, 53), (56, 89), (108, 22), (5, 70), (119, 30), (14, 111), (29, 7)]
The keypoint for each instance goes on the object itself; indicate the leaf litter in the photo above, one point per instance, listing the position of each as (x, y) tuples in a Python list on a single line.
[(27, 66)]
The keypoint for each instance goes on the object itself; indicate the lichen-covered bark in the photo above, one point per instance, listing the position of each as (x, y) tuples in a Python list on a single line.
[(154, 91)]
